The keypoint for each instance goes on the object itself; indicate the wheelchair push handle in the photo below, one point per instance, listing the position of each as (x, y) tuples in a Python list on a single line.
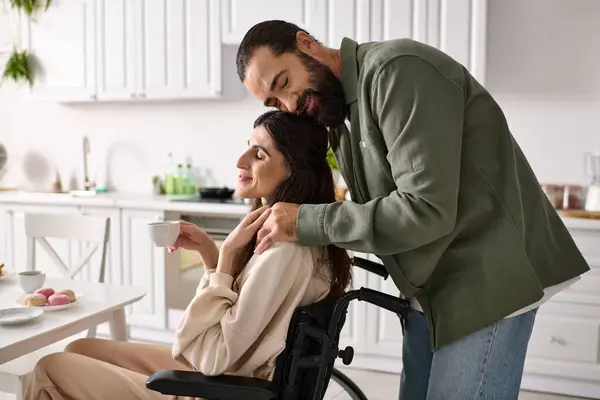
[(384, 300), (371, 266)]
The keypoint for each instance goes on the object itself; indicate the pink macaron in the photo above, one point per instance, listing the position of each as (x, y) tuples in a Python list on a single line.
[(47, 292), (58, 299)]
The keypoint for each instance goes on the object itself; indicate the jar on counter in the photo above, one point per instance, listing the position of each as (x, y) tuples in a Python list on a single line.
[(573, 197), (555, 194)]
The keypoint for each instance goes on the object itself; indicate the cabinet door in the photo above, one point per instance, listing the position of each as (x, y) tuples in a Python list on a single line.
[(240, 15), (115, 50), (144, 266), (62, 43), (458, 28), (383, 329), (179, 49), (395, 19), (347, 19)]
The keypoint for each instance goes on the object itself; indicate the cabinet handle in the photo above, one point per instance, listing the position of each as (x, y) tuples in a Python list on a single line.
[(132, 95), (142, 95), (93, 97)]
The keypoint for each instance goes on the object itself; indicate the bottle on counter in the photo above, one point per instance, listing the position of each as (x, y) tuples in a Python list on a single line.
[(179, 180), (190, 180), (170, 176)]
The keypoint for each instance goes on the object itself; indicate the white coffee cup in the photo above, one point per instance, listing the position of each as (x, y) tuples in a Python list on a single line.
[(31, 281), (164, 233)]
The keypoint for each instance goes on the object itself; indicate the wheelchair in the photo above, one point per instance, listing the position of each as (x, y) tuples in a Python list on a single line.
[(306, 365)]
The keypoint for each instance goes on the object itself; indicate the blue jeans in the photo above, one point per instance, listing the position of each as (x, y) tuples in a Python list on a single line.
[(486, 365)]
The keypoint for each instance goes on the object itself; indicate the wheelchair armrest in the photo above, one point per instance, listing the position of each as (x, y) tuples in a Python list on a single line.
[(371, 266), (223, 387), (384, 300)]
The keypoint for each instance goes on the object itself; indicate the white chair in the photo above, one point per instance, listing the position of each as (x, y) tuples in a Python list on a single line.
[(95, 231)]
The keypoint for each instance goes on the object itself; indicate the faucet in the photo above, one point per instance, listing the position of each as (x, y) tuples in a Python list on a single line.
[(87, 183)]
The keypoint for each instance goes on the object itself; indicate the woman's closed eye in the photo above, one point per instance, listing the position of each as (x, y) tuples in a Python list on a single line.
[(286, 81), (259, 155)]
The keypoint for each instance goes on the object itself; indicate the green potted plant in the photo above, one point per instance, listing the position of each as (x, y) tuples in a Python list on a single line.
[(18, 67), (340, 185), (30, 7)]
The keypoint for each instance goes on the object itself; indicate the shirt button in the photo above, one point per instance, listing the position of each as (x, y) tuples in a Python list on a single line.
[(363, 144)]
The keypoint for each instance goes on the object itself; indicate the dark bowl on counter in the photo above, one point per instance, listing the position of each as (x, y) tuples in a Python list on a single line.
[(216, 193)]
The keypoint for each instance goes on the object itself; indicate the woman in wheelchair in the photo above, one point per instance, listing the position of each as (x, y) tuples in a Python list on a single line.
[(238, 320)]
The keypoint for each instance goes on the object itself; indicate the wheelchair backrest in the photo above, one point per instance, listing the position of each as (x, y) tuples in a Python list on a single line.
[(305, 354)]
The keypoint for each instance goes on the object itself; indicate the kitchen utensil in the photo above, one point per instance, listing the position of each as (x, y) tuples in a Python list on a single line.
[(592, 170), (163, 233), (30, 281), (221, 193), (19, 315)]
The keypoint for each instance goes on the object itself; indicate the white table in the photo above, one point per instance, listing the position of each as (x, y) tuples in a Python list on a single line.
[(101, 303)]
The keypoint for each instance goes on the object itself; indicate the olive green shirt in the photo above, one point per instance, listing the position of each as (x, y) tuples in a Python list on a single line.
[(441, 191)]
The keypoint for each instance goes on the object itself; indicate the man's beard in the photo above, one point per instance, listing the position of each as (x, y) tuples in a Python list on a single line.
[(326, 91)]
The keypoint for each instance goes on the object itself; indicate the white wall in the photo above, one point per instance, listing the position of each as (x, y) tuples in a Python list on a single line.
[(543, 66), (133, 139), (551, 98)]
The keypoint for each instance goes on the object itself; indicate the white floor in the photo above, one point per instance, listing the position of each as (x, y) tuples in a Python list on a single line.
[(380, 386)]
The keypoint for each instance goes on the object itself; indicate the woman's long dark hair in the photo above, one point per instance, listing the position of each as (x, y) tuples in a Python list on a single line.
[(303, 143)]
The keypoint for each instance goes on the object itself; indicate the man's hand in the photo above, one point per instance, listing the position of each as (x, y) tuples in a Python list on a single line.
[(279, 227)]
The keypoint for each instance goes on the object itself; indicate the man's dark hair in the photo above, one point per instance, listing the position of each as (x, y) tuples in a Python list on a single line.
[(278, 36)]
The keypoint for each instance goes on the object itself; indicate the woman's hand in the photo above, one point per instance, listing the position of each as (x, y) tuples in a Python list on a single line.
[(191, 237), (240, 237), (246, 229)]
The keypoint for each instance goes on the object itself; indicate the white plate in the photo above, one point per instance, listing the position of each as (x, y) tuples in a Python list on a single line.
[(21, 301), (20, 315)]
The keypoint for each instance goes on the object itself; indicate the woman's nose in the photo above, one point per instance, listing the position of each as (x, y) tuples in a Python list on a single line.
[(242, 161)]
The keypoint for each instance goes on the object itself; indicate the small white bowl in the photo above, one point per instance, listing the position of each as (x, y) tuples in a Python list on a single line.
[(30, 281), (163, 233)]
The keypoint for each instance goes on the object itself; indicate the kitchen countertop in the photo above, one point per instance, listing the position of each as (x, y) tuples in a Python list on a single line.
[(122, 200), (166, 203)]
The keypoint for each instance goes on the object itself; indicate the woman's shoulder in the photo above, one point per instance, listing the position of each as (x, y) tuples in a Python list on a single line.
[(288, 252)]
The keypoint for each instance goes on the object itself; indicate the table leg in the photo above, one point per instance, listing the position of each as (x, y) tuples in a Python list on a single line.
[(118, 326)]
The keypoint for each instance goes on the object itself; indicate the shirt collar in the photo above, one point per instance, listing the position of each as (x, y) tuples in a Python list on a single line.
[(349, 69)]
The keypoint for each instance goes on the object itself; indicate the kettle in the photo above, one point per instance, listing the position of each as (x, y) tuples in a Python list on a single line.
[(592, 169)]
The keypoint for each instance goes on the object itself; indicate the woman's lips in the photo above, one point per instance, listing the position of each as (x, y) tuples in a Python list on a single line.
[(242, 177)]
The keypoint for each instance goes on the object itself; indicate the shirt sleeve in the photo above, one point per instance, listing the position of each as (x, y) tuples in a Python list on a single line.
[(219, 326), (419, 113)]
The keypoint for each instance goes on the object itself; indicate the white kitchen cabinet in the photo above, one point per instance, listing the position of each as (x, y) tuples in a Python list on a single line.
[(239, 16), (564, 351), (116, 49), (127, 50), (178, 49), (62, 43), (144, 266), (457, 27)]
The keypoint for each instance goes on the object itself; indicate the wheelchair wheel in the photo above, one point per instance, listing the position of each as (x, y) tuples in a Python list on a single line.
[(350, 389)]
